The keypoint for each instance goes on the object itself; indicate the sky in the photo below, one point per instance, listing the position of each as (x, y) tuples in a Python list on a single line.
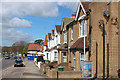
[(29, 21)]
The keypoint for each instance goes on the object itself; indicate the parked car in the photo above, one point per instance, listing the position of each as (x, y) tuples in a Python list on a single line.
[(18, 63), (13, 57), (119, 73), (7, 56)]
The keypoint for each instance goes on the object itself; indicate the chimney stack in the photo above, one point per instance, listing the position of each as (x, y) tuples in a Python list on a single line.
[(73, 15)]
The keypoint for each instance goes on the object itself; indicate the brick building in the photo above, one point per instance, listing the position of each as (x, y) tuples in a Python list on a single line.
[(81, 39), (108, 12)]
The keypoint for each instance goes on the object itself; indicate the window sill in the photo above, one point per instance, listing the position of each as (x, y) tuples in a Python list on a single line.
[(65, 43), (82, 36)]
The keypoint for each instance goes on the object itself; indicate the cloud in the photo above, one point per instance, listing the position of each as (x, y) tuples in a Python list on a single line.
[(41, 9), (13, 17), (12, 35), (18, 23), (71, 5), (12, 12), (39, 0)]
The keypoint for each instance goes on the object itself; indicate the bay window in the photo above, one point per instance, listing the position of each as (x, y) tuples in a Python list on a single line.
[(65, 37), (83, 28)]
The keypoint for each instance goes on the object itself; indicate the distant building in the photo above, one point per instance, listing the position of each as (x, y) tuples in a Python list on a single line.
[(34, 50), (51, 43)]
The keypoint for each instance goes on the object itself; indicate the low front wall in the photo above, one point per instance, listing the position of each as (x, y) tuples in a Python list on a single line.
[(63, 74), (51, 73), (43, 67), (70, 74)]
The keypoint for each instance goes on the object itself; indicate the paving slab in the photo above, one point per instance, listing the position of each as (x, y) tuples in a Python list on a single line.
[(32, 71)]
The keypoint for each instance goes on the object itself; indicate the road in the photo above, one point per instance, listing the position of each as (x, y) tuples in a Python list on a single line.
[(9, 71), (29, 71), (7, 63)]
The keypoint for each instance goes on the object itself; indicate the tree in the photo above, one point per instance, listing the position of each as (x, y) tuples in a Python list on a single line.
[(6, 50), (25, 49), (39, 41), (18, 46)]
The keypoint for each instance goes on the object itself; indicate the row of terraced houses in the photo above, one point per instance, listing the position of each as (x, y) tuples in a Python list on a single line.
[(79, 39)]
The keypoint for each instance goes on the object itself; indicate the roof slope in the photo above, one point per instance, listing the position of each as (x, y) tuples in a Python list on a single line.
[(35, 47), (45, 42), (52, 31), (58, 27), (86, 5), (49, 35), (79, 44), (67, 20)]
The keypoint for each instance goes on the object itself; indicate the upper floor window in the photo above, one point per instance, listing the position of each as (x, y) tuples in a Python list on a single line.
[(65, 37), (72, 33), (83, 28), (55, 56)]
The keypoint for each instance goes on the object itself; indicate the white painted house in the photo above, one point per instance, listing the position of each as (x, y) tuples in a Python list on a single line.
[(51, 43)]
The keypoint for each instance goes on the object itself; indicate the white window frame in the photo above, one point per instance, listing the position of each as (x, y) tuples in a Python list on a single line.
[(82, 25), (72, 32), (64, 57), (55, 56), (65, 37)]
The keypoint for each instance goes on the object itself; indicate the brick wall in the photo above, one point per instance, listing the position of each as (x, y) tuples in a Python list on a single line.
[(60, 57), (119, 36), (70, 74), (62, 37), (75, 33), (111, 38)]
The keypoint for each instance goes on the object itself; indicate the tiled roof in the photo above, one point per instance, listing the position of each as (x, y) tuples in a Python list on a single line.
[(36, 47), (67, 20), (47, 49), (58, 27), (86, 5), (49, 35), (52, 31), (79, 44), (45, 42)]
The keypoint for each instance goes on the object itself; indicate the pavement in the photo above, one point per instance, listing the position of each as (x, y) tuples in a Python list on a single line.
[(32, 71)]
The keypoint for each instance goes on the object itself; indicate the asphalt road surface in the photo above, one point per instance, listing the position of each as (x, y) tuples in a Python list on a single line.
[(7, 63), (9, 71)]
